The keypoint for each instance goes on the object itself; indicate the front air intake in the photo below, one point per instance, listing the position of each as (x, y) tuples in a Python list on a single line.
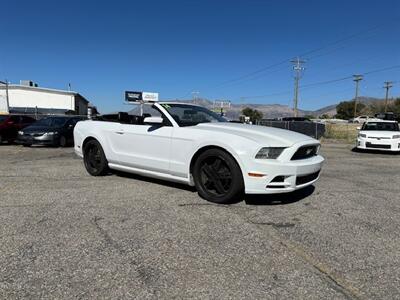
[(305, 152)]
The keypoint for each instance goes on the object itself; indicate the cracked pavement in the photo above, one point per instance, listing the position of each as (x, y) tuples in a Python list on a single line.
[(65, 234)]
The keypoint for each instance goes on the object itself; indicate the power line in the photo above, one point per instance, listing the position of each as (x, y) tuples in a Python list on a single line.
[(350, 37), (310, 85)]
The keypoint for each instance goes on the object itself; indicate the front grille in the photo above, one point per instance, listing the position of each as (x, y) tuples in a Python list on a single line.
[(379, 138), (370, 145), (306, 178), (305, 152)]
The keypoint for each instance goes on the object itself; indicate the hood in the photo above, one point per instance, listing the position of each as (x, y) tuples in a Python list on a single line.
[(38, 129), (380, 133), (261, 134)]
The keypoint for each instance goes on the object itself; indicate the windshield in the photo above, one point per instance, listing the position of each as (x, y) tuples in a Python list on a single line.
[(190, 115), (56, 122), (384, 126), (3, 118)]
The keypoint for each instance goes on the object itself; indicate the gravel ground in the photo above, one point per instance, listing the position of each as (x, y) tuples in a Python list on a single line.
[(65, 234)]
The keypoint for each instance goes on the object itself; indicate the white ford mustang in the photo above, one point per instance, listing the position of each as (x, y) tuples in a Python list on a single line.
[(379, 135), (193, 145)]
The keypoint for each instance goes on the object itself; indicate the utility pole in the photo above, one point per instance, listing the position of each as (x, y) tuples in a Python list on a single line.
[(388, 85), (195, 95), (356, 78), (298, 68)]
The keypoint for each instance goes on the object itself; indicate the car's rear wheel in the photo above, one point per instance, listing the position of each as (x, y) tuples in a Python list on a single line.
[(218, 177), (94, 159), (1, 139)]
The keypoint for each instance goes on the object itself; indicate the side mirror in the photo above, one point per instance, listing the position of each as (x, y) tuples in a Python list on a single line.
[(358, 128), (153, 120)]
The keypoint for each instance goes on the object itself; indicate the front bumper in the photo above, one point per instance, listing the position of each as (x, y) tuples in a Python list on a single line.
[(375, 144), (282, 177), (37, 140)]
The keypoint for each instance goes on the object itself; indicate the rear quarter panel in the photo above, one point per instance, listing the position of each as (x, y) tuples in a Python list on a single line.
[(101, 131)]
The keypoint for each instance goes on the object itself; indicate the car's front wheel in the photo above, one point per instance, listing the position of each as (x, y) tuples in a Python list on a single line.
[(218, 177), (62, 141), (94, 159)]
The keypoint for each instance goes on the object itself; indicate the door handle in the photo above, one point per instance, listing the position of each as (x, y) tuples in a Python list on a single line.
[(119, 132)]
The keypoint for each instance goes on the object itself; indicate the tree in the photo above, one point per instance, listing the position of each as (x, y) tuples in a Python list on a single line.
[(253, 114), (345, 109), (396, 106)]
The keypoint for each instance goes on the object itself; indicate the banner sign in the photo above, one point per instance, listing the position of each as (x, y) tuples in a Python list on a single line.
[(132, 96)]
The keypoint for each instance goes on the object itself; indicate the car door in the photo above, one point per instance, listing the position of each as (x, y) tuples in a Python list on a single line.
[(145, 147)]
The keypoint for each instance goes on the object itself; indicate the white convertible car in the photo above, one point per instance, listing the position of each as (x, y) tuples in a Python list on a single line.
[(193, 145), (379, 135)]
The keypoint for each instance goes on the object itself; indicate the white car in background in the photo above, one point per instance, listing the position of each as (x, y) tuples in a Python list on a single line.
[(193, 145), (363, 119), (379, 135)]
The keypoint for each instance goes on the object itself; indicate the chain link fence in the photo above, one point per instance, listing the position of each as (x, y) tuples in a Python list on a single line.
[(315, 130)]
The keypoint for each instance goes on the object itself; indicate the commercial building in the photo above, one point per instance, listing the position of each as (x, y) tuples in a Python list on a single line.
[(27, 97)]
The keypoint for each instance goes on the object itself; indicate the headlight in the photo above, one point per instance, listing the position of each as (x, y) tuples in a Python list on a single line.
[(51, 133), (20, 132), (362, 135), (396, 136), (269, 152)]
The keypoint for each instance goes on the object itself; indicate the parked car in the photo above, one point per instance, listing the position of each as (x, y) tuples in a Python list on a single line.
[(387, 116), (363, 119), (379, 135), (52, 131), (193, 145), (11, 124)]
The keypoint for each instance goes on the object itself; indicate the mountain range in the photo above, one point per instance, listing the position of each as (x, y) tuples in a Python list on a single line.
[(275, 110), (272, 110)]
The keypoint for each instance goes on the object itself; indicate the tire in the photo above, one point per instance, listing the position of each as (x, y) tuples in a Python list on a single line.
[(1, 139), (94, 159), (218, 177), (62, 142)]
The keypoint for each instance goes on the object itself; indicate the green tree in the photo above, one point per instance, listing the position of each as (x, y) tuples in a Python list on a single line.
[(396, 106), (345, 109), (254, 114)]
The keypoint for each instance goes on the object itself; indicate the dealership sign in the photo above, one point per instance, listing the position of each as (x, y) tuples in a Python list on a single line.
[(132, 96)]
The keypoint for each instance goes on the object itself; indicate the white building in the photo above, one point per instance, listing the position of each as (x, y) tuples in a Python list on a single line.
[(27, 97)]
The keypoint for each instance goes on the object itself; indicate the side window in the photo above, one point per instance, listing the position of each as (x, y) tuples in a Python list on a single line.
[(148, 111), (26, 119), (15, 119)]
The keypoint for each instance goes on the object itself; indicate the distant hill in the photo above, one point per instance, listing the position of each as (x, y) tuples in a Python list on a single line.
[(275, 110)]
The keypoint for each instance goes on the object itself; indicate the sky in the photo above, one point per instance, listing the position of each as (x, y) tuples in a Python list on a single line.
[(224, 49)]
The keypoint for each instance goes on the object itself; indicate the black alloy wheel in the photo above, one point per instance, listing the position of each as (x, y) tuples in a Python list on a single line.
[(218, 177), (94, 159)]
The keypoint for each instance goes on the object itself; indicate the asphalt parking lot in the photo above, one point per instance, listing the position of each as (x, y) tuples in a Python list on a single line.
[(65, 234)]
